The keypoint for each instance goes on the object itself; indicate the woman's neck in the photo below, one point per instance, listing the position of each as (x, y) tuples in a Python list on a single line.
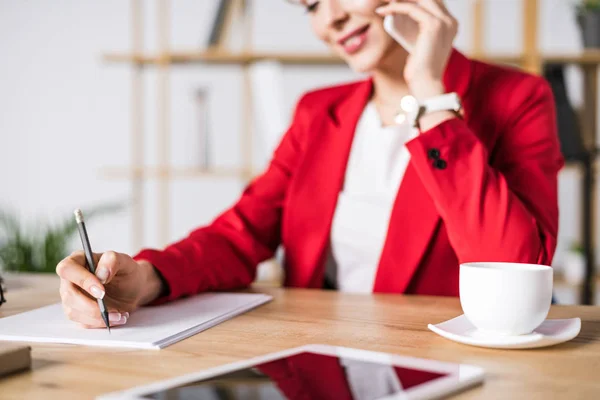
[(389, 85)]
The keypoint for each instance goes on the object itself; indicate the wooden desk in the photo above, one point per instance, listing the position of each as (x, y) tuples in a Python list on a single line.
[(387, 323)]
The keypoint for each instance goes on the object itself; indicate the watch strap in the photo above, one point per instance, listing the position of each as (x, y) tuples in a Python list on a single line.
[(444, 102)]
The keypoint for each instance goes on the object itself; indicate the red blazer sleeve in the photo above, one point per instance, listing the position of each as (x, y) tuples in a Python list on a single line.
[(224, 255), (500, 207)]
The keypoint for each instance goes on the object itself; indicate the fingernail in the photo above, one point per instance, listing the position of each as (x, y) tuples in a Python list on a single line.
[(102, 274), (379, 10), (114, 317), (121, 321), (97, 292), (126, 315)]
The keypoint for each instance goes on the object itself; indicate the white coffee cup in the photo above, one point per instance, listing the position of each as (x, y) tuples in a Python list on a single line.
[(505, 298)]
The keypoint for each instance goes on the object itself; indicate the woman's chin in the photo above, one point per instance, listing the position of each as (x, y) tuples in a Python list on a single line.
[(371, 59), (364, 64), (365, 61)]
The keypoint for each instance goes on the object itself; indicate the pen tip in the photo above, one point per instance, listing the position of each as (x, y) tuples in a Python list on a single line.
[(109, 330), (78, 216)]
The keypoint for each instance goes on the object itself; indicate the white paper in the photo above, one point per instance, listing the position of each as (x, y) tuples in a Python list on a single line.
[(152, 327)]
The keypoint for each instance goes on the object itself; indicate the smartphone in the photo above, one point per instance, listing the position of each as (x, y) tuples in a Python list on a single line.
[(403, 29)]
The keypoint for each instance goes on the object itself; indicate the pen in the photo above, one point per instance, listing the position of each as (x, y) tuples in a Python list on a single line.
[(90, 260)]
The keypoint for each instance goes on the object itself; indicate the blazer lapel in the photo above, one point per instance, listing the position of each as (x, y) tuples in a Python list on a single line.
[(414, 219)]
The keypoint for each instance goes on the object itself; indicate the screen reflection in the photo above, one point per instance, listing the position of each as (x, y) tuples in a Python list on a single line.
[(304, 376)]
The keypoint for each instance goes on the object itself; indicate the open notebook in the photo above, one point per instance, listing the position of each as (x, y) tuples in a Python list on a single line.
[(147, 328)]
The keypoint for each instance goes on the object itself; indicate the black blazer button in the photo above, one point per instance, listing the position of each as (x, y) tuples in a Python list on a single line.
[(440, 164), (433, 153)]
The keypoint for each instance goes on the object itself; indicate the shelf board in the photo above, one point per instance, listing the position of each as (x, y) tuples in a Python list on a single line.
[(220, 57), (560, 281), (587, 57), (173, 172)]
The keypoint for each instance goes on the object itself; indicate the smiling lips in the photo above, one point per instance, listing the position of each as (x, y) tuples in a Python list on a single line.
[(355, 40)]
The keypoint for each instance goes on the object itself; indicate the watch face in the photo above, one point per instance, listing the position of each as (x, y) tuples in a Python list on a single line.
[(408, 108), (409, 104)]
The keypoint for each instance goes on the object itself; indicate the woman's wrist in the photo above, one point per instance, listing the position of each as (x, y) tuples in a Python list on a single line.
[(153, 285), (426, 88)]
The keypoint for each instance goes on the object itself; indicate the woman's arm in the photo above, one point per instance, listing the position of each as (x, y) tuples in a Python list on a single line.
[(506, 211), (224, 255)]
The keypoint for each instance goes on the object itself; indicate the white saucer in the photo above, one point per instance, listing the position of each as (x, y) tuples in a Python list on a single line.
[(549, 333)]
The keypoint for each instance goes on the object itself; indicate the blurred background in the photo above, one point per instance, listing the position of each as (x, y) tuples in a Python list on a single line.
[(152, 115)]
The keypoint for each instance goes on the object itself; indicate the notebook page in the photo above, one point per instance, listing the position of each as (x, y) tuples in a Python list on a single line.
[(209, 324), (146, 328)]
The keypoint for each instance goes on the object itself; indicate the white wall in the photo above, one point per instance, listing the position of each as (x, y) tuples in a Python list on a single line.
[(64, 113)]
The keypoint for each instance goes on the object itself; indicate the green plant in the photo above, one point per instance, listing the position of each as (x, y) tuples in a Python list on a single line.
[(587, 6), (39, 249), (576, 247)]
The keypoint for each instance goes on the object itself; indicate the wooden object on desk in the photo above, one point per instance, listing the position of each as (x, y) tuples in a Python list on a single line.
[(14, 358), (387, 323)]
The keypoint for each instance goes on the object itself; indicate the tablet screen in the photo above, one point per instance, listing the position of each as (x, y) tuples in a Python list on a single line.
[(304, 376)]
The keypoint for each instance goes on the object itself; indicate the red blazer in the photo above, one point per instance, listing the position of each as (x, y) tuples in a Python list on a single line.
[(495, 200)]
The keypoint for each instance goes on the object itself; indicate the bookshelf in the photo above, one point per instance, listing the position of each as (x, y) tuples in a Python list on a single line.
[(137, 173)]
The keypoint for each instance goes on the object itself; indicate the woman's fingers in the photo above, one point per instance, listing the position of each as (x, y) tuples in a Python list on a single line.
[(426, 19), (73, 269), (74, 298), (107, 266), (419, 14), (84, 310), (436, 8), (80, 289), (86, 321), (442, 5)]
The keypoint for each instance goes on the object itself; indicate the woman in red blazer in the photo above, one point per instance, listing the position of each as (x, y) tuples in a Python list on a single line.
[(480, 186)]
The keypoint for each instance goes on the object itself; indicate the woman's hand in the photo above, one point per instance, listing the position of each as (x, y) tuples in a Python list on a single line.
[(123, 283), (425, 65)]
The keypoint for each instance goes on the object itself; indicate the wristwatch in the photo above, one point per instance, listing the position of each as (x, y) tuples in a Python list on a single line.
[(412, 110)]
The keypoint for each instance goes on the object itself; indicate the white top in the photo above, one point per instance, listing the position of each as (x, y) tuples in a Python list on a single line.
[(376, 165), (368, 380)]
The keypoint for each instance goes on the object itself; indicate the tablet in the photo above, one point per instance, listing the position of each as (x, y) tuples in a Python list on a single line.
[(316, 372)]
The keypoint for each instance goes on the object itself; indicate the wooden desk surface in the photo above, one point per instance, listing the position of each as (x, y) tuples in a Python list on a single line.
[(386, 323)]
